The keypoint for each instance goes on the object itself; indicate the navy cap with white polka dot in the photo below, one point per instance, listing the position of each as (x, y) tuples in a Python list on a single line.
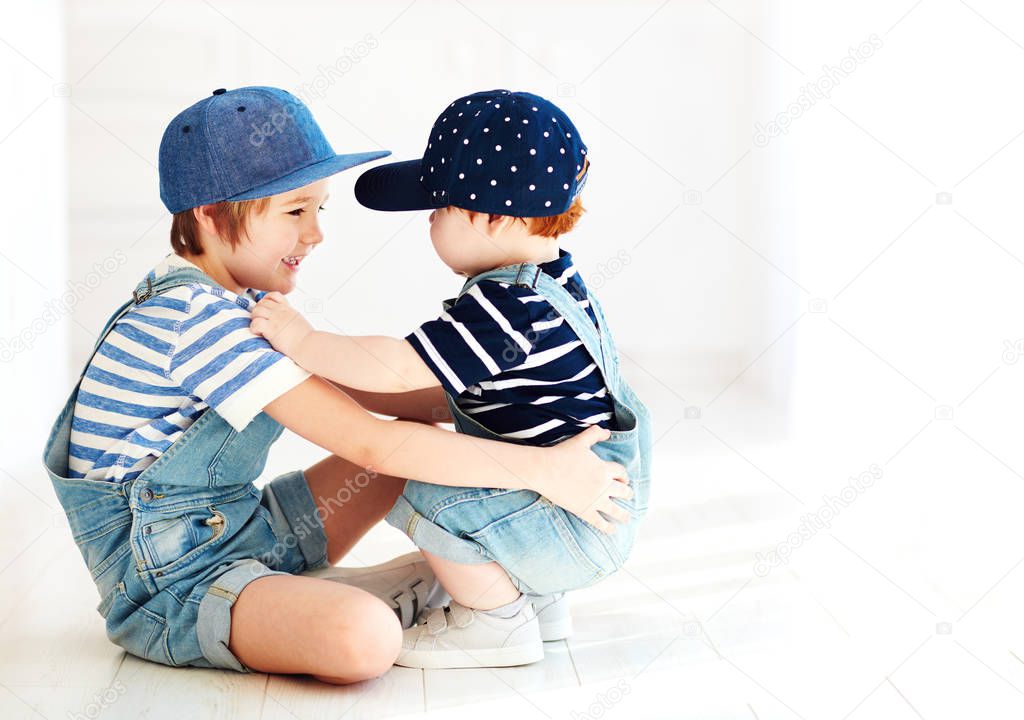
[(510, 153)]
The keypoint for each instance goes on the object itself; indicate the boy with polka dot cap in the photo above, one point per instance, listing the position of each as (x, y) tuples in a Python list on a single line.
[(523, 354), (495, 152)]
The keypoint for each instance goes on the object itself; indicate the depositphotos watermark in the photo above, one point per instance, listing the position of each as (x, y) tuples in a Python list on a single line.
[(553, 319), (812, 92), (813, 523), (56, 309), (326, 76), (604, 702), (100, 701), (325, 508), (550, 321), (1013, 350), (609, 269)]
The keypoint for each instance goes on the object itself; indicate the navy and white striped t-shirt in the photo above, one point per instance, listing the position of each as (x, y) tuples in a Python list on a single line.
[(512, 362), (165, 363)]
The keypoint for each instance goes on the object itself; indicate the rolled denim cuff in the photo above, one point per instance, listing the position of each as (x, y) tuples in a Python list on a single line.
[(432, 537), (291, 503), (213, 622)]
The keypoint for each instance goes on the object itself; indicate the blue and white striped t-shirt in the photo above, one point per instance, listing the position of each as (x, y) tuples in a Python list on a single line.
[(162, 365), (512, 362)]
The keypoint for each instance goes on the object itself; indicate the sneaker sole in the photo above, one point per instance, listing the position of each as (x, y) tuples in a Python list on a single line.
[(491, 657), (555, 630)]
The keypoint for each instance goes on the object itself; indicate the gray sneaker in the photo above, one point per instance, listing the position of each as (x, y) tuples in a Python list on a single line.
[(553, 616), (460, 637), (404, 583)]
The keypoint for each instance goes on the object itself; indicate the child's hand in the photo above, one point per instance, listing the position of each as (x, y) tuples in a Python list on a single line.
[(584, 484), (279, 323)]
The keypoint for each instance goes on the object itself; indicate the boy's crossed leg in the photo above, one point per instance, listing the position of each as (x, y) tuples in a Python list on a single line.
[(335, 632), (294, 624)]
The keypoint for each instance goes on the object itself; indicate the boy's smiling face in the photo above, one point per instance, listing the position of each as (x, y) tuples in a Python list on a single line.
[(273, 246)]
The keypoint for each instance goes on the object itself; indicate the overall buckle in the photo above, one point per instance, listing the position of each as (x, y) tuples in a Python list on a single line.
[(531, 285), (141, 297)]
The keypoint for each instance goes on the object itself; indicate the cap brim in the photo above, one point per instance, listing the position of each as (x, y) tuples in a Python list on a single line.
[(310, 174), (394, 187)]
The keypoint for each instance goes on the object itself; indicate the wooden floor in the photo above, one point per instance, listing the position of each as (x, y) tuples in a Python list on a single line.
[(906, 606)]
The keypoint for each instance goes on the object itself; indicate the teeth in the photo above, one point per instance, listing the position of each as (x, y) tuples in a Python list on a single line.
[(293, 260)]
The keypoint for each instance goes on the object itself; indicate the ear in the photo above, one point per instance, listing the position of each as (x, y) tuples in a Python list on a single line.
[(498, 224), (477, 219), (205, 219)]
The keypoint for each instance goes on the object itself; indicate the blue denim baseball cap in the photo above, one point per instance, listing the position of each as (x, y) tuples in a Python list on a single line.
[(501, 152), (245, 144)]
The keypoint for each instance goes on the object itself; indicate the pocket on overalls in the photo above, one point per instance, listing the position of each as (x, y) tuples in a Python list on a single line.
[(175, 525), (642, 416), (168, 540), (624, 446)]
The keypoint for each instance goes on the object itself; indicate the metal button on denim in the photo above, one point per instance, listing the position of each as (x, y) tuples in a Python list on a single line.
[(146, 494)]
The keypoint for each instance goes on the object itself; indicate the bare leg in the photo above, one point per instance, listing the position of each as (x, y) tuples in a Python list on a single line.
[(482, 586), (350, 500), (338, 633), (294, 624)]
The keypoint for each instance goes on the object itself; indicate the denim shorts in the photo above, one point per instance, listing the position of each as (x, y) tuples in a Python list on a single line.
[(171, 550), (199, 569), (543, 548)]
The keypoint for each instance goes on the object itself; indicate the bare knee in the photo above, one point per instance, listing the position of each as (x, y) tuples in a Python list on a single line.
[(365, 638)]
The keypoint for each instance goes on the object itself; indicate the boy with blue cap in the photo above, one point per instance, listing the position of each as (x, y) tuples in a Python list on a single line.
[(523, 354), (155, 454)]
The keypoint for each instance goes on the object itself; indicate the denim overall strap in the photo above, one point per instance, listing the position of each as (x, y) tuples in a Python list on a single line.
[(595, 338), (55, 453), (151, 287)]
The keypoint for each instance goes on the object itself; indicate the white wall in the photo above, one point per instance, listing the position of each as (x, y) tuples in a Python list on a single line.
[(35, 311), (665, 110)]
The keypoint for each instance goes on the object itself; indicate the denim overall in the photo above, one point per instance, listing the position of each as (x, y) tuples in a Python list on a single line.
[(543, 548), (171, 550)]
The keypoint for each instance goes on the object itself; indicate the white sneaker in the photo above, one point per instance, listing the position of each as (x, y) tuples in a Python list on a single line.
[(460, 637), (553, 616), (403, 583)]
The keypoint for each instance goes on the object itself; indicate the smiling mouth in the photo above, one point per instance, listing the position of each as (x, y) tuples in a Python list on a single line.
[(293, 261)]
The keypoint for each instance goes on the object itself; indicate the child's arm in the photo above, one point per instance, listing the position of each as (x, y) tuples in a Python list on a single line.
[(369, 362), (426, 405), (568, 474)]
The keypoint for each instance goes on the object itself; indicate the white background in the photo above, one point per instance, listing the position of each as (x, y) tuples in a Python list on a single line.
[(846, 295)]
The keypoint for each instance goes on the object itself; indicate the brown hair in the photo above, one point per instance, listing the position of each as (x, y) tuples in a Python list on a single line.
[(230, 219), (552, 226)]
